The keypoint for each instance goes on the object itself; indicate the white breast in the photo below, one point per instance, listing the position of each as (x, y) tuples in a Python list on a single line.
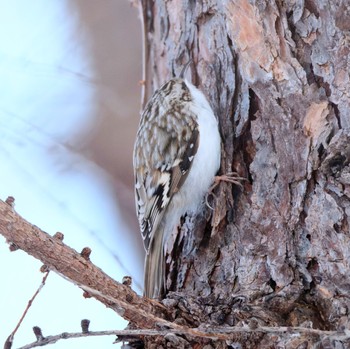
[(206, 162)]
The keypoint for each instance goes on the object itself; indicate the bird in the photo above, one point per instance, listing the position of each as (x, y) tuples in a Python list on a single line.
[(177, 153)]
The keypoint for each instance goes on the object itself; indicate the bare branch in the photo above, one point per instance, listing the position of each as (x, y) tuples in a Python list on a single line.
[(224, 333), (68, 263), (9, 340), (143, 312), (30, 302)]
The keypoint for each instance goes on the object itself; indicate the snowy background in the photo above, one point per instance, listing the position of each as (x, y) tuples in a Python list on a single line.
[(69, 110)]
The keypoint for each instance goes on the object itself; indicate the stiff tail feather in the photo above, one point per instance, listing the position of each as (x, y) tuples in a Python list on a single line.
[(154, 275)]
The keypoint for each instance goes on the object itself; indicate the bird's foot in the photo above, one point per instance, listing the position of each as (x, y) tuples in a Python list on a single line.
[(230, 177)]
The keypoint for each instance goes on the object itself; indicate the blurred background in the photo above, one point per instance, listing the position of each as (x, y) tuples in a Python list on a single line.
[(69, 111)]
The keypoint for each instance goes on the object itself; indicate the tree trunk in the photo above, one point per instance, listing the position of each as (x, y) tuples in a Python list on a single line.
[(275, 252)]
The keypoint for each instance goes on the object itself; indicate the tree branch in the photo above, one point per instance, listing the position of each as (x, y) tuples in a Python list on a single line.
[(223, 333), (143, 312), (30, 302)]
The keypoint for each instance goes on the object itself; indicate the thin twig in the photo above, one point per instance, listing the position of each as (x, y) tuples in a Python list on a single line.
[(30, 302), (224, 333)]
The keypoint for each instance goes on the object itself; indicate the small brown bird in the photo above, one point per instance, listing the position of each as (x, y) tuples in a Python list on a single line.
[(176, 157)]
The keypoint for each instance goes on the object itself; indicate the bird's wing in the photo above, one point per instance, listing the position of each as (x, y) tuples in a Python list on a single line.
[(162, 160)]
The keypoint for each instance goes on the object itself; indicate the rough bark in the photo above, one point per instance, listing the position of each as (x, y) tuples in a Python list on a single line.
[(276, 252), (170, 323)]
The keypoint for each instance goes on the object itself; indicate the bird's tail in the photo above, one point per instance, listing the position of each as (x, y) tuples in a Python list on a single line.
[(154, 275)]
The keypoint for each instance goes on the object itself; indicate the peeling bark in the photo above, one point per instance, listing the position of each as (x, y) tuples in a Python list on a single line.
[(277, 76)]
